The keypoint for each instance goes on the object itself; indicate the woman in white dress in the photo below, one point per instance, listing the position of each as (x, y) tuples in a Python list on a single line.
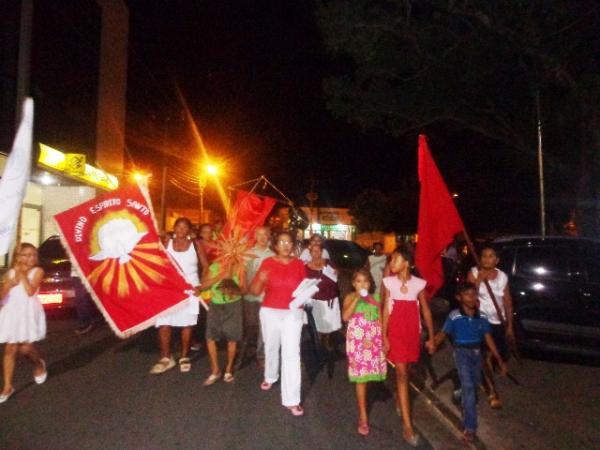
[(22, 317), (187, 254)]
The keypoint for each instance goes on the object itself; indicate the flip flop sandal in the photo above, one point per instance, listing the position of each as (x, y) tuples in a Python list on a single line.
[(363, 428), (41, 379), (162, 366), (5, 397), (228, 377), (468, 437), (494, 402), (266, 386), (413, 440), (296, 411), (185, 365), (212, 379)]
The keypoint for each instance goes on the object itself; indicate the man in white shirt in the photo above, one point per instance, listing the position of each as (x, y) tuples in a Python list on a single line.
[(252, 335)]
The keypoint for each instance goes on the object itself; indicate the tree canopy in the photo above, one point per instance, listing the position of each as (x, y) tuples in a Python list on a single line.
[(405, 66)]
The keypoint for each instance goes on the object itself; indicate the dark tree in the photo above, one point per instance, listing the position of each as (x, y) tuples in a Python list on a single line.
[(406, 66)]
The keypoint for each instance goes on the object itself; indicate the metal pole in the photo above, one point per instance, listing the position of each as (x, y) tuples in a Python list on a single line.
[(540, 156), (163, 205)]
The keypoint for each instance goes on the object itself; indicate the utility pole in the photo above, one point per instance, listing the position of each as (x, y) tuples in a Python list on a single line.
[(540, 156), (312, 197)]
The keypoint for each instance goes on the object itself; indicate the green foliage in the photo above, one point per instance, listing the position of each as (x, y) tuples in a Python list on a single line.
[(404, 66)]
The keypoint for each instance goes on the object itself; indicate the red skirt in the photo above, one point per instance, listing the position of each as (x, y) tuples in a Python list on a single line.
[(404, 332)]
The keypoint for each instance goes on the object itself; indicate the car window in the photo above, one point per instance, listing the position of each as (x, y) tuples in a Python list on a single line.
[(507, 256), (591, 259), (52, 249), (544, 262)]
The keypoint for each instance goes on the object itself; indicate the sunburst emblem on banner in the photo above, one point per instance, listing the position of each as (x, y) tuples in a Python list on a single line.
[(115, 241)]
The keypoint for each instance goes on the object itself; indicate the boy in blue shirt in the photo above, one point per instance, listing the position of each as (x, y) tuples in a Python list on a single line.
[(468, 330)]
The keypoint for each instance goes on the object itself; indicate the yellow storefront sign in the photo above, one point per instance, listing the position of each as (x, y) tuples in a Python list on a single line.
[(74, 166)]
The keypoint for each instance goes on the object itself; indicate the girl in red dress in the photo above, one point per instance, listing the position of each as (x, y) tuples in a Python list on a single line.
[(404, 300)]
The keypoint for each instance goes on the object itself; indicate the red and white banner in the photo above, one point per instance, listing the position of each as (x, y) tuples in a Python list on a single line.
[(113, 244)]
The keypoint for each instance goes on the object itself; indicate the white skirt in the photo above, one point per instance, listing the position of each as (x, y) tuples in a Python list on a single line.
[(22, 320), (185, 317), (327, 319)]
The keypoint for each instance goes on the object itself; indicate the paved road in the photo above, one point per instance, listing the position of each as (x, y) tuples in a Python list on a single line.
[(99, 396)]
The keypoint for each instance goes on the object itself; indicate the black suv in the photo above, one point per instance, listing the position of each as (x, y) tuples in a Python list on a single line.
[(555, 284)]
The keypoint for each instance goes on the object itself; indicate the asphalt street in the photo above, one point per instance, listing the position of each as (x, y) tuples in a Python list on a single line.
[(99, 395)]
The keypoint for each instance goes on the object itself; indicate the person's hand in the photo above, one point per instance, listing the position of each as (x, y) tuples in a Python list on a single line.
[(263, 275), (430, 346), (386, 345), (502, 366), (510, 335)]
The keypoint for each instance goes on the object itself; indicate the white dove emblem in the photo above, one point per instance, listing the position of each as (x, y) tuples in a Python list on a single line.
[(116, 239)]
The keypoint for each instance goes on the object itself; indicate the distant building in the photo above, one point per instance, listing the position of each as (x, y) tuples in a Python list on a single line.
[(331, 223), (73, 61)]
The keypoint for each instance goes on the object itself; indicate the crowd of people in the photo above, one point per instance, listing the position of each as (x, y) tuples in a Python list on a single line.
[(254, 315)]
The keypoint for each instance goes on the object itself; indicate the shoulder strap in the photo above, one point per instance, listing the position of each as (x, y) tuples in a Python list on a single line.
[(495, 302)]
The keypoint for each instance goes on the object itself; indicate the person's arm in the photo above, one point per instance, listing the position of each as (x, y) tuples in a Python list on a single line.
[(350, 303), (385, 318), (430, 344), (508, 310), (258, 284), (475, 280), (201, 257), (494, 351), (439, 338), (31, 286), (8, 283)]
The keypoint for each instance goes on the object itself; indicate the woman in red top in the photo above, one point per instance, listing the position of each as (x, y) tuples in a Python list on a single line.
[(278, 277)]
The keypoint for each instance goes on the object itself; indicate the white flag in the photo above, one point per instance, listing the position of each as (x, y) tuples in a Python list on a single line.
[(15, 177)]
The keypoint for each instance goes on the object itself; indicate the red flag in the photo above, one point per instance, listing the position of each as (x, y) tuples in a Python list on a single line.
[(113, 244), (439, 220), (248, 213)]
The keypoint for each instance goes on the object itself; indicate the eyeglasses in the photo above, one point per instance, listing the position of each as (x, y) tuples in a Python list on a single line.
[(284, 242)]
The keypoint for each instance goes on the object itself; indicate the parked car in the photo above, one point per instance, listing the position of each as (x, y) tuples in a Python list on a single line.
[(555, 285), (57, 289), (346, 254)]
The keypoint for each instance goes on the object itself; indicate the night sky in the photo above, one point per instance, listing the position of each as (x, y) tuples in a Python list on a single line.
[(252, 75)]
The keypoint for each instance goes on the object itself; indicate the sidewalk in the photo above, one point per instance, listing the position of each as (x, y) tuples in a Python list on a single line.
[(555, 406)]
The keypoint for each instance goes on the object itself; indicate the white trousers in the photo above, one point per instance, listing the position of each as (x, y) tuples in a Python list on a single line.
[(282, 329)]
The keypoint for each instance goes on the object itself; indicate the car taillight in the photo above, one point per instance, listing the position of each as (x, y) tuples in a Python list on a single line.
[(51, 299)]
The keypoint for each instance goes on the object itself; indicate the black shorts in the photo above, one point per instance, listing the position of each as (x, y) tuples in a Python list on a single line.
[(224, 321), (499, 336)]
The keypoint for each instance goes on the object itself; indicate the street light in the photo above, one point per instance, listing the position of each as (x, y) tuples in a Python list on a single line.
[(140, 176), (208, 169)]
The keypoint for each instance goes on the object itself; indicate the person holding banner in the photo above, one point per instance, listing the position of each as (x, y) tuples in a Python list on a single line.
[(278, 277), (22, 318), (188, 256), (404, 301)]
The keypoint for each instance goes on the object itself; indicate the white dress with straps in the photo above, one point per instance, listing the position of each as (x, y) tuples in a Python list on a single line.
[(22, 317), (188, 263)]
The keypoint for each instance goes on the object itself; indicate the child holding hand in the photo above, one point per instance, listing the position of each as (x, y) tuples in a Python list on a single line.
[(468, 329), (364, 342)]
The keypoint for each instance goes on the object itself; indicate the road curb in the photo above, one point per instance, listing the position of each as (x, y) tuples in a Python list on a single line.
[(452, 420)]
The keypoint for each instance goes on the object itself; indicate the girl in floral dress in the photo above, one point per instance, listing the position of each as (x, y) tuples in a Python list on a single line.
[(364, 342)]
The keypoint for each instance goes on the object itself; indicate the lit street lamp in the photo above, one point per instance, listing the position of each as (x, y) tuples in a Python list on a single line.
[(209, 169)]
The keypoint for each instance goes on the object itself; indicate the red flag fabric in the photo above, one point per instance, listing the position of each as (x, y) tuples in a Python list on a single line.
[(248, 213), (439, 220), (113, 244)]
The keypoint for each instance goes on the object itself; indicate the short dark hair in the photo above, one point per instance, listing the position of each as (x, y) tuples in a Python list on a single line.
[(488, 246), (185, 220), (405, 252), (465, 286)]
